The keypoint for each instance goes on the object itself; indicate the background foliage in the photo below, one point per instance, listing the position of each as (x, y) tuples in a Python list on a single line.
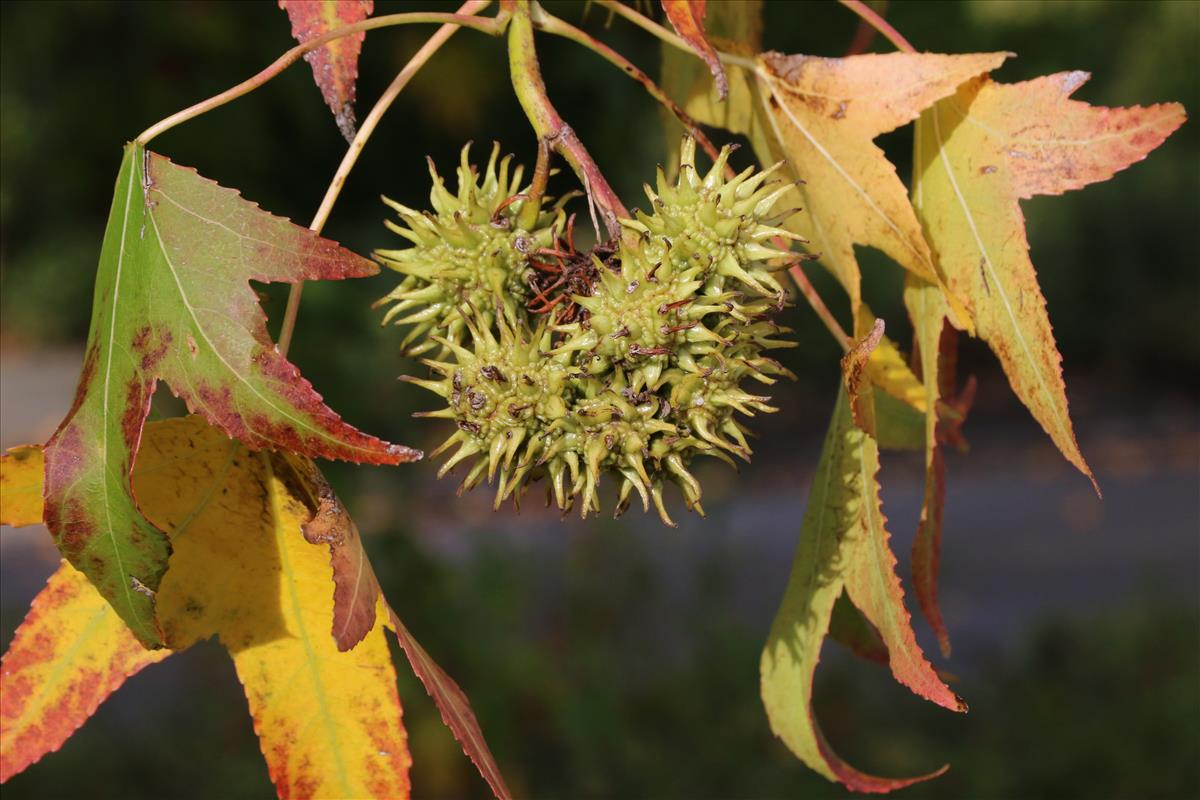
[(604, 661)]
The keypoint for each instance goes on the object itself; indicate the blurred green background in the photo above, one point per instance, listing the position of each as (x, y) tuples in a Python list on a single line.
[(619, 659)]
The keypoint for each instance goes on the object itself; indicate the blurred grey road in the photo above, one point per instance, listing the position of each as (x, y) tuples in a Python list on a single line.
[(1025, 536)]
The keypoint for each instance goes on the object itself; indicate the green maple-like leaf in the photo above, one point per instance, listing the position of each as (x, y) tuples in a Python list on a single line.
[(844, 546), (173, 303)]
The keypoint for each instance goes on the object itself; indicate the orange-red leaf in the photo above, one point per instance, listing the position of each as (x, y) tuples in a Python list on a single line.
[(71, 652), (981, 151), (687, 17), (453, 705), (334, 66)]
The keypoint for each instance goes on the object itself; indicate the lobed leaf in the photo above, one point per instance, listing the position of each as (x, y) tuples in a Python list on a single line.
[(329, 722), (823, 115), (977, 154), (843, 547), (173, 303), (334, 66)]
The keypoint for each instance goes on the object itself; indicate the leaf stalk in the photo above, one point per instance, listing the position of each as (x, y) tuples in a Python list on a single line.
[(419, 59), (548, 125)]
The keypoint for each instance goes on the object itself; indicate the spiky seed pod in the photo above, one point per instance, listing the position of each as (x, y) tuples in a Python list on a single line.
[(640, 360), (643, 317), (467, 252), (722, 226), (503, 392)]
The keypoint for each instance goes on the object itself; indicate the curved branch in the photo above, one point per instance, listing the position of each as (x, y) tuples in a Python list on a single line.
[(490, 26), (356, 146)]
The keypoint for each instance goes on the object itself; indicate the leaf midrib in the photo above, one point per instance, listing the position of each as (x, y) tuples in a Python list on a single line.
[(1063, 430), (187, 304)]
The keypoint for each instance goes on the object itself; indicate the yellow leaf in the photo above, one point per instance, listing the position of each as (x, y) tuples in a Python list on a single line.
[(21, 471), (329, 722), (824, 113), (977, 154)]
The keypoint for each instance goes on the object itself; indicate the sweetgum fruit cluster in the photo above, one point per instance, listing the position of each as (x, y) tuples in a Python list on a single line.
[(629, 360)]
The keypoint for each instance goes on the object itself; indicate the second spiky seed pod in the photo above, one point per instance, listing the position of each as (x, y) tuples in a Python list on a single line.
[(466, 252)]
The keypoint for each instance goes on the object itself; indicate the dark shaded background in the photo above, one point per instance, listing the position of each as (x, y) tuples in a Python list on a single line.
[(619, 659)]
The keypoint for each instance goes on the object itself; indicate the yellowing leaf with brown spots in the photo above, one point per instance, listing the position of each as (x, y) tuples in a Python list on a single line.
[(823, 115), (328, 722), (21, 486), (981, 151)]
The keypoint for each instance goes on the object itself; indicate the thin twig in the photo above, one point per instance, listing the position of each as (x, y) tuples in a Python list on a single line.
[(490, 26), (545, 21), (872, 18), (818, 305), (356, 146), (670, 37)]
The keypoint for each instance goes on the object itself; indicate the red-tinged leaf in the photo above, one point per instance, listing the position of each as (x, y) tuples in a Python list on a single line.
[(173, 303), (874, 587), (71, 652), (355, 587), (979, 153), (453, 705), (842, 540), (334, 66), (855, 377), (687, 17)]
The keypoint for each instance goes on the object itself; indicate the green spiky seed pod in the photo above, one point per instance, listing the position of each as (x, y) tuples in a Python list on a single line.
[(503, 392), (467, 252), (645, 317), (645, 365), (722, 226)]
